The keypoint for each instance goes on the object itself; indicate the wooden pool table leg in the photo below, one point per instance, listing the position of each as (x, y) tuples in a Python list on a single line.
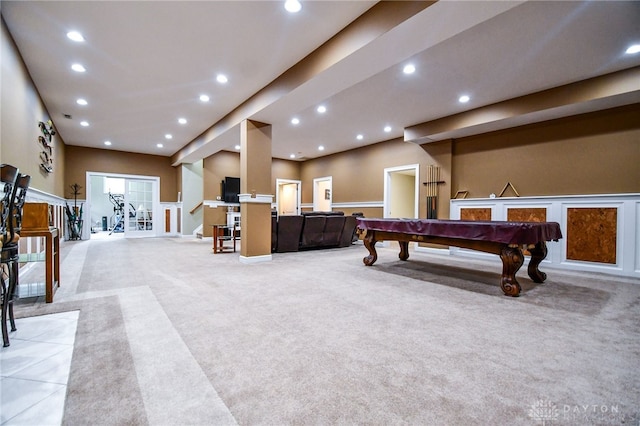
[(404, 250), (538, 253), (370, 243), (512, 260)]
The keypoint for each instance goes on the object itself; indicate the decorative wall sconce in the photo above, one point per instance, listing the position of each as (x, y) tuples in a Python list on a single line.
[(46, 144)]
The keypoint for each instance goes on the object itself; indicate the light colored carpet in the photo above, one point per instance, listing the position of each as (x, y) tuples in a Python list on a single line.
[(170, 333)]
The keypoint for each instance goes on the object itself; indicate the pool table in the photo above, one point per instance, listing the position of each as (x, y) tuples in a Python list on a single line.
[(506, 239)]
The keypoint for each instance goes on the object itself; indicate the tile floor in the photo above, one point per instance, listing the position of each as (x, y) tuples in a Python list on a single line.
[(34, 370)]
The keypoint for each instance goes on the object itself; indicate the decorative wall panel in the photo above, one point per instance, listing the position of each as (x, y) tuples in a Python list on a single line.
[(475, 214), (592, 234), (523, 214), (527, 214), (600, 232)]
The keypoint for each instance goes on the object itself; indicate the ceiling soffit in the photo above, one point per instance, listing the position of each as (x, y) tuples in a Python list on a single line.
[(607, 91)]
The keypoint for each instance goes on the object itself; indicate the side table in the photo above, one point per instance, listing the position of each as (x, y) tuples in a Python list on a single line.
[(222, 233), (51, 259)]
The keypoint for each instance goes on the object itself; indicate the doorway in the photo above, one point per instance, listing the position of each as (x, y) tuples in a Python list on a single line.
[(124, 205), (401, 191), (322, 194), (288, 197)]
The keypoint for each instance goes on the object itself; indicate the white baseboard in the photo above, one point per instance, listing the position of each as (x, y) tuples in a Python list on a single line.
[(256, 259)]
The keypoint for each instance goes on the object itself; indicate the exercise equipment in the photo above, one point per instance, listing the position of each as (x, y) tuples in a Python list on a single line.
[(118, 212)]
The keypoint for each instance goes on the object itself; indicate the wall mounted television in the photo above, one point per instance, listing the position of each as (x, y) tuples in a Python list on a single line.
[(231, 189)]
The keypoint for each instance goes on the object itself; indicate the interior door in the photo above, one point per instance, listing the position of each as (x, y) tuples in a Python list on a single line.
[(288, 196), (139, 207), (401, 191), (322, 194)]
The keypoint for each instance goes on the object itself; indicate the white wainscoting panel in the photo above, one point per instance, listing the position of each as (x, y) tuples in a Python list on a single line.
[(627, 236)]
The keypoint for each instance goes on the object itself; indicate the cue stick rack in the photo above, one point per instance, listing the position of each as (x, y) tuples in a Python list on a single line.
[(433, 180)]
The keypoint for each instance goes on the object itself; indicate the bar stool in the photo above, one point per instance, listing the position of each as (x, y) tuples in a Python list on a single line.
[(11, 250), (8, 178)]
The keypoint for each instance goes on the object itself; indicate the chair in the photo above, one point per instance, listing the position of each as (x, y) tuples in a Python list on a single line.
[(8, 178), (10, 249)]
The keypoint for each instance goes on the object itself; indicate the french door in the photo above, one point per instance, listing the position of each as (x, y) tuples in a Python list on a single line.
[(129, 203), (140, 198)]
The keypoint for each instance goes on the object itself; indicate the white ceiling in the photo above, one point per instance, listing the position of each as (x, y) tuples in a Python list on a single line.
[(147, 63)]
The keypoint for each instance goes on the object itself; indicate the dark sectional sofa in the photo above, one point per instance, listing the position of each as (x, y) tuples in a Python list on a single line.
[(311, 230)]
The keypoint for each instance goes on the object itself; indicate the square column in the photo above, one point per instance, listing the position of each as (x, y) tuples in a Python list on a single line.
[(255, 188)]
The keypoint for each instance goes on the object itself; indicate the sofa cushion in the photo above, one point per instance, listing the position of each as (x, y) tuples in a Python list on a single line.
[(289, 229), (312, 231), (333, 226), (348, 231)]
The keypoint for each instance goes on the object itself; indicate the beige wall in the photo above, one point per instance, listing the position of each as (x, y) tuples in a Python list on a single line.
[(21, 111), (82, 160), (225, 163), (358, 175), (284, 169), (596, 153), (215, 169), (588, 154)]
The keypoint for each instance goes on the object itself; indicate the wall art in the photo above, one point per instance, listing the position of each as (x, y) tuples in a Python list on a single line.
[(46, 144)]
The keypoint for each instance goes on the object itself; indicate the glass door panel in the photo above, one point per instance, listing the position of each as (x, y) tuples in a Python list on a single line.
[(140, 197)]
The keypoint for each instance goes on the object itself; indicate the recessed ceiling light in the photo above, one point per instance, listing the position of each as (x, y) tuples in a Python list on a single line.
[(321, 109), (292, 6), (84, 123), (409, 69), (321, 148), (107, 143), (182, 120), (159, 145), (204, 98), (359, 137), (463, 99), (387, 129), (78, 68), (295, 120), (292, 156), (634, 48), (75, 36), (221, 78), (82, 102), (237, 147), (168, 136)]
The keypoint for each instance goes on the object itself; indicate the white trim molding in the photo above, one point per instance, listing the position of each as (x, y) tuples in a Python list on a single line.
[(359, 205), (214, 204), (34, 195), (255, 198)]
